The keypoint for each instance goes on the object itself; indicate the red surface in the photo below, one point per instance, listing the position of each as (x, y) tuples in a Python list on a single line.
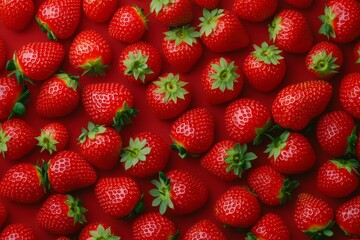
[(20, 213)]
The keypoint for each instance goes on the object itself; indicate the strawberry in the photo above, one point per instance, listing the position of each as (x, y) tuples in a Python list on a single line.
[(58, 96), (297, 104), (100, 146), (16, 14), (97, 231), (299, 3), (128, 24), (349, 94), (291, 153), (3, 214), (269, 227), (54, 137), (90, 53), (228, 160), (61, 214), (348, 215), (99, 11), (290, 32), (17, 139), (265, 68), (180, 191), (255, 11), (2, 53), (18, 231), (182, 48), (140, 62), (146, 155), (221, 31), (119, 197), (193, 132), (237, 207), (169, 96), (208, 4), (59, 18), (221, 80), (172, 13), (204, 229), (313, 216), (341, 20), (356, 53)]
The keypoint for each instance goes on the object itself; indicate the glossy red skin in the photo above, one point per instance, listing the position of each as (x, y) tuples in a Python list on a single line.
[(99, 11), (176, 13), (10, 90), (206, 230), (256, 11), (208, 4), (18, 231), (356, 52), (16, 14), (3, 214), (59, 133), (85, 232), (243, 117), (348, 215), (357, 147), (271, 227), (300, 3), (349, 94), (2, 54)]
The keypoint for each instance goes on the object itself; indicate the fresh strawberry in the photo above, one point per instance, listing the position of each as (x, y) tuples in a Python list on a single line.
[(290, 32), (59, 18), (297, 104), (18, 231), (255, 11), (265, 68), (61, 214), (356, 53), (99, 11), (193, 132), (172, 13), (119, 197), (180, 191), (16, 14), (221, 80), (269, 227), (54, 137), (222, 31), (169, 96), (2, 54), (58, 96), (3, 214), (17, 138), (208, 4), (90, 53), (204, 229), (350, 95), (100, 146), (98, 231), (128, 24), (140, 62), (348, 215), (341, 20)]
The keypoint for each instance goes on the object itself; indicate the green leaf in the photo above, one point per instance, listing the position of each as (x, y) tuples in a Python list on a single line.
[(171, 88)]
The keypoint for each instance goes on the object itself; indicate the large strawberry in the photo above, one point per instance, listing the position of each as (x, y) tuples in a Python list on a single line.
[(54, 137), (2, 53), (18, 231), (99, 11), (348, 215), (3, 214), (356, 52), (269, 227), (350, 95), (300, 3), (256, 11), (172, 13), (204, 229), (16, 14), (98, 231)]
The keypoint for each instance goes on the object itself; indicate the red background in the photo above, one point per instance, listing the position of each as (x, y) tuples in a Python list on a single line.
[(296, 72)]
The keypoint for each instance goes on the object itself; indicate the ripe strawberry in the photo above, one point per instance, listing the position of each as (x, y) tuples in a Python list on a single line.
[(208, 4), (193, 132), (349, 94), (18, 231), (59, 18), (299, 3), (265, 68), (54, 137), (291, 153), (90, 53), (58, 96), (128, 24), (228, 160), (222, 31), (180, 191), (204, 229), (172, 13), (140, 62), (169, 96), (17, 138), (98, 231), (290, 32), (61, 214), (16, 14), (3, 214), (100, 146), (2, 53), (116, 111), (348, 215), (255, 11), (269, 227), (341, 20), (221, 80), (99, 11), (297, 104), (119, 197), (356, 53), (237, 207)]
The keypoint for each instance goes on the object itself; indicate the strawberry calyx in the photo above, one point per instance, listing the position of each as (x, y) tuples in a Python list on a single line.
[(19, 107), (46, 142), (123, 116), (225, 75), (262, 132), (135, 152), (324, 63), (4, 138), (274, 28), (46, 29), (279, 143), (319, 233), (42, 172), (327, 28), (137, 209), (162, 193), (209, 21), (358, 60), (350, 165), (238, 159), (94, 67), (269, 54), (91, 132), (286, 190), (184, 34), (171, 87), (182, 151), (136, 65), (157, 5), (76, 210), (15, 68), (102, 233), (251, 236), (351, 143), (140, 12), (70, 80), (175, 236)]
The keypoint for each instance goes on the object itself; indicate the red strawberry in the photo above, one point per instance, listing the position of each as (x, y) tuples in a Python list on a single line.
[(2, 54), (172, 13), (140, 62), (119, 197), (59, 18), (297, 104), (17, 138), (61, 214), (300, 3), (265, 68), (100, 146), (58, 96), (341, 20), (90, 53), (222, 31), (291, 153), (290, 32), (99, 11), (228, 160), (36, 61), (16, 14), (180, 191), (356, 53), (54, 137), (204, 229), (128, 24), (98, 231), (255, 11), (350, 95), (348, 215), (208, 4), (221, 80), (18, 231), (193, 132), (3, 214), (237, 207), (169, 96), (269, 227)]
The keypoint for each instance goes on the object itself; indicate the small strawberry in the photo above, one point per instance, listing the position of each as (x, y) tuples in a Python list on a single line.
[(208, 4), (265, 68), (269, 227), (350, 95), (204, 229), (54, 137), (222, 31), (172, 13), (18, 231), (356, 53), (99, 11), (290, 32), (98, 231), (61, 214), (299, 3), (348, 215), (255, 11), (16, 14), (2, 54), (180, 191), (3, 214)]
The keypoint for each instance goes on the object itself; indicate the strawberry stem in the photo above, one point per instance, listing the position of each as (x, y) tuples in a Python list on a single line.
[(102, 233), (76, 210), (135, 152), (94, 68), (324, 63), (238, 159), (224, 75), (162, 193), (327, 19), (46, 142), (4, 138), (123, 116), (91, 133)]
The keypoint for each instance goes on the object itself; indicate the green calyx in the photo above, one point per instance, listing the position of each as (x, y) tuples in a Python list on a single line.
[(162, 193), (157, 5), (209, 21), (138, 209), (123, 116), (225, 75), (287, 188), (102, 234), (182, 34), (76, 210), (324, 63), (274, 148), (267, 54), (46, 29), (274, 28), (320, 233), (358, 60), (351, 143), (69, 80), (135, 152), (140, 12), (171, 87), (181, 150), (136, 65), (46, 142), (327, 28), (19, 107), (14, 67), (4, 138), (94, 67), (238, 159), (251, 236), (91, 132), (43, 175), (262, 132), (350, 165)]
